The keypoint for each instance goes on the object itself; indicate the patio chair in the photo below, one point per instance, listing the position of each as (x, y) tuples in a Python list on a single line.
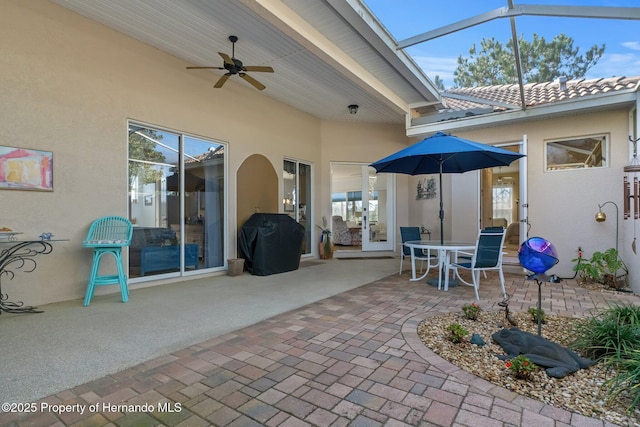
[(108, 235), (487, 256), (340, 232), (413, 233)]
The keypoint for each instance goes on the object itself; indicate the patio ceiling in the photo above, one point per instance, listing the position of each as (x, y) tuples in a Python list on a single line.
[(326, 54)]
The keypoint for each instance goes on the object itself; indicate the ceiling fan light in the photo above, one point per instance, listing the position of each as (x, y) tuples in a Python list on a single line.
[(234, 66)]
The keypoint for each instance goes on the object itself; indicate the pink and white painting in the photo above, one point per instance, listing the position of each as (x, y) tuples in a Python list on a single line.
[(25, 169)]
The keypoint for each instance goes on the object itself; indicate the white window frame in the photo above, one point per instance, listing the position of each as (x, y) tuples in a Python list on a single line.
[(604, 137)]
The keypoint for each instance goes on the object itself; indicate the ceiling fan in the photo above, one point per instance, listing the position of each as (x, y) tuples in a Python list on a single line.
[(235, 66)]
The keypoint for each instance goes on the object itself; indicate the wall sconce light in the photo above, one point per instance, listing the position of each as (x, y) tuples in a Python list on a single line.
[(353, 108), (602, 217)]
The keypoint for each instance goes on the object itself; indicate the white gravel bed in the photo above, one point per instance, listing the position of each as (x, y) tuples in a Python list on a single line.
[(580, 392)]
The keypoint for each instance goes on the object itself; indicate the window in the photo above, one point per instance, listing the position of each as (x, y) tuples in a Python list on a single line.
[(348, 205), (503, 201), (296, 200), (176, 202), (578, 153)]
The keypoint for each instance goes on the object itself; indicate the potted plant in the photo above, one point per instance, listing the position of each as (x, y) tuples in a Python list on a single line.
[(326, 246), (606, 268)]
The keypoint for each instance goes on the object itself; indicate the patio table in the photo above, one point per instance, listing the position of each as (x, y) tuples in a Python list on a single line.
[(443, 249)]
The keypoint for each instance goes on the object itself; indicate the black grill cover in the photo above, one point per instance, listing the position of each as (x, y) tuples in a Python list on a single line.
[(271, 243)]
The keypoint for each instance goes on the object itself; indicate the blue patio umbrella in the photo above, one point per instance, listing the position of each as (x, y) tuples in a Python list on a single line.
[(442, 153)]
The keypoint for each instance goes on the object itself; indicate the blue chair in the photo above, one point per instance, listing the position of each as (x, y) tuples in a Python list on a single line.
[(108, 235), (487, 256), (412, 233)]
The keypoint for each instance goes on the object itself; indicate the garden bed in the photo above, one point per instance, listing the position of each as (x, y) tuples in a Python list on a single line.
[(580, 392)]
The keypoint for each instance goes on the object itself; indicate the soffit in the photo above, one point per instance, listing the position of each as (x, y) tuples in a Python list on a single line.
[(321, 59)]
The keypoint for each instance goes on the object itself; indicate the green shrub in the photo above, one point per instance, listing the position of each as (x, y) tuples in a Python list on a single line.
[(472, 311), (602, 267), (457, 333), (627, 378), (611, 332), (521, 366), (613, 336), (626, 314), (534, 315)]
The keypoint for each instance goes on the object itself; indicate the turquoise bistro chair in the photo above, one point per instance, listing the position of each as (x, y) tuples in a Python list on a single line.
[(108, 235)]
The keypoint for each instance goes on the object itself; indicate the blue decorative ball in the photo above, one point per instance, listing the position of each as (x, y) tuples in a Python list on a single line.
[(537, 255)]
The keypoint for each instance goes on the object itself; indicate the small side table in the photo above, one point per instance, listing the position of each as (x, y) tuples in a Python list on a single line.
[(19, 254)]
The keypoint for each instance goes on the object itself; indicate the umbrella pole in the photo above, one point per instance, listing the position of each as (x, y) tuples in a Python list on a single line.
[(441, 272), (441, 207)]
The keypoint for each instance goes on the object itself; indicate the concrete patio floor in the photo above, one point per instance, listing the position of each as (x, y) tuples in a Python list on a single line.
[(251, 351)]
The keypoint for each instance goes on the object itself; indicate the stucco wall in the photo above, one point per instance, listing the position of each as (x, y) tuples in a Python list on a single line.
[(69, 85), (563, 204)]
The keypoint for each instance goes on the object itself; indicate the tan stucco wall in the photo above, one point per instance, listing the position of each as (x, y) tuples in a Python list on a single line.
[(562, 204), (69, 85)]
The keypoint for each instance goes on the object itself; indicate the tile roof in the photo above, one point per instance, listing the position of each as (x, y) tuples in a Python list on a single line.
[(537, 93)]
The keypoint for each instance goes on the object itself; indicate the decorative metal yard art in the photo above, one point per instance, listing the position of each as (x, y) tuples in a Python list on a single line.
[(507, 314), (538, 255), (631, 172)]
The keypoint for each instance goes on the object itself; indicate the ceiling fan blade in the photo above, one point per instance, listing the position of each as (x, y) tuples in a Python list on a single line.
[(253, 81), (221, 81), (205, 68), (258, 68), (227, 59)]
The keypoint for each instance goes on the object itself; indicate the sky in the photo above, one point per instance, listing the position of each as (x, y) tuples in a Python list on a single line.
[(407, 18)]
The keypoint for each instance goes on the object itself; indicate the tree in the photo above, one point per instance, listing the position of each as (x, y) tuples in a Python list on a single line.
[(439, 83), (542, 61), (141, 148)]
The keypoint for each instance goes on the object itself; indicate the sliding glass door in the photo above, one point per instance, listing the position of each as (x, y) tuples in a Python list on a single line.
[(176, 203)]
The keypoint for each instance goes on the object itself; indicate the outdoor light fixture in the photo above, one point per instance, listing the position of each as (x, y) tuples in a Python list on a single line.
[(353, 108), (601, 217)]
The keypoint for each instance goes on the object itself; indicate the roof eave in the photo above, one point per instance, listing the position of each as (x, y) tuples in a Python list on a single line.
[(364, 22), (568, 107)]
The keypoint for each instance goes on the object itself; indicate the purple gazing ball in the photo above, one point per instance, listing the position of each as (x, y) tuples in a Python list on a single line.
[(537, 255)]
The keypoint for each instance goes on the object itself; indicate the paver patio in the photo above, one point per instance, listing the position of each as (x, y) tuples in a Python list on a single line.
[(353, 359)]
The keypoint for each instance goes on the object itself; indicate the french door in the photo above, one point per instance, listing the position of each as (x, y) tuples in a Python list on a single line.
[(365, 200), (504, 202)]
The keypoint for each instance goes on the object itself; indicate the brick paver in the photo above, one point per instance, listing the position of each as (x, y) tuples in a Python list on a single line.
[(354, 359)]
